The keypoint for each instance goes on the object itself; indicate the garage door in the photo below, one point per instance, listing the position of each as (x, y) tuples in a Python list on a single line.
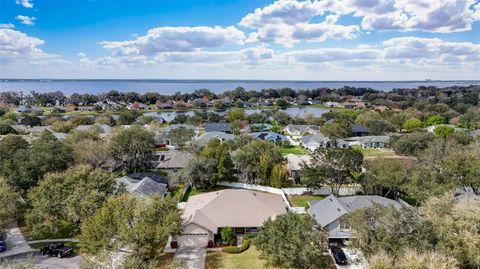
[(193, 240)]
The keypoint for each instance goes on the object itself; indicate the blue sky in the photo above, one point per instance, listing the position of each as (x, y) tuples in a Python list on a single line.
[(286, 39)]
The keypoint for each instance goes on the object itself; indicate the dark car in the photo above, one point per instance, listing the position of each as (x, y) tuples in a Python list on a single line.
[(339, 256), (57, 249), (3, 246)]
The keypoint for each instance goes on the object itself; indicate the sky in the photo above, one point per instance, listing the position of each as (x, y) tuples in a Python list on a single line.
[(241, 39)]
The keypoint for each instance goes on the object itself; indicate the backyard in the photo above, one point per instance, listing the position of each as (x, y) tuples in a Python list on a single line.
[(370, 152), (297, 150), (302, 200)]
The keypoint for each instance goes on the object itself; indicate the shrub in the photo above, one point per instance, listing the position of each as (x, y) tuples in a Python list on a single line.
[(235, 250), (7, 129), (228, 236)]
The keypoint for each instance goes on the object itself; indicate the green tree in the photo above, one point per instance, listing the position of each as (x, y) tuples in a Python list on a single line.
[(61, 201), (282, 103), (200, 172), (126, 222), (217, 104), (7, 129), (180, 136), (336, 130), (8, 204), (279, 175), (434, 120), (89, 149), (133, 146), (127, 118), (412, 259), (290, 241), (443, 131), (220, 152), (334, 167), (228, 236), (412, 144), (412, 124), (236, 114), (385, 177), (31, 121), (256, 160), (386, 228)]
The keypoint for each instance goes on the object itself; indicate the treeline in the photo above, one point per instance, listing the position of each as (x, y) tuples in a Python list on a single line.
[(402, 98)]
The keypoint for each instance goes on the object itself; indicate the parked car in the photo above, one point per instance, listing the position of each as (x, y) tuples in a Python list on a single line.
[(339, 256), (3, 245), (57, 249)]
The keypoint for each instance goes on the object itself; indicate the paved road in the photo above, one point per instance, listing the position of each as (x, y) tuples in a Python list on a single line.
[(45, 262), (193, 257), (16, 243)]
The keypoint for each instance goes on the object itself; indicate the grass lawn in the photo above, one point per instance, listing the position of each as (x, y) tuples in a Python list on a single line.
[(302, 200), (165, 261), (195, 191), (375, 152), (247, 260), (294, 150)]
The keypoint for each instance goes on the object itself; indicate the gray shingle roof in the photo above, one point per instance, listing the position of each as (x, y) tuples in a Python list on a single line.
[(211, 135), (332, 208), (174, 159), (357, 128), (217, 127)]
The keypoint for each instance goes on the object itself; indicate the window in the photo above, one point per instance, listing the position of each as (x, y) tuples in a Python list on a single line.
[(345, 227)]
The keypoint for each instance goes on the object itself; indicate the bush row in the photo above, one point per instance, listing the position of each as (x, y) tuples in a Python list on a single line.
[(235, 250)]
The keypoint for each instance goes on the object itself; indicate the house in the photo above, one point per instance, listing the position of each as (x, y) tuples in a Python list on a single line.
[(475, 134), (329, 211), (243, 210), (85, 108), (103, 129), (332, 104), (137, 106), (172, 160), (144, 184), (318, 140), (218, 127), (260, 127), (37, 130), (372, 141), (294, 165), (359, 130), (28, 109), (204, 138), (270, 136), (301, 130), (60, 136), (171, 127)]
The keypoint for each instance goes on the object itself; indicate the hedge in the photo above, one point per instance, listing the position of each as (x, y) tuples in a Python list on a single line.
[(235, 250)]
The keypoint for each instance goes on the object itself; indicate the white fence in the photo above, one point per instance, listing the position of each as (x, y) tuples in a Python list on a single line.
[(343, 191)]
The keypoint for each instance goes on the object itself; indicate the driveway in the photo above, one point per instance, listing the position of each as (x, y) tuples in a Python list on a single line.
[(355, 259), (45, 262), (192, 257), (16, 243)]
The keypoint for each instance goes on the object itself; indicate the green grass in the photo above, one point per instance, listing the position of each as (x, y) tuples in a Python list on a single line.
[(196, 191), (302, 200), (369, 152), (248, 260), (297, 150)]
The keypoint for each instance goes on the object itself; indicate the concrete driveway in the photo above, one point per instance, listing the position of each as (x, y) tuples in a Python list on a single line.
[(192, 257), (355, 259), (37, 261), (16, 243)]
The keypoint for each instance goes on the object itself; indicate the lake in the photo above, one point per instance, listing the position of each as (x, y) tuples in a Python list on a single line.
[(69, 87), (291, 111)]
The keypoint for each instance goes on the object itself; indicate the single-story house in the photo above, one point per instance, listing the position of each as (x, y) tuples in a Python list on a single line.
[(360, 130), (318, 140), (85, 108), (218, 127), (28, 109), (204, 138), (294, 167), (378, 141), (329, 211), (37, 130), (301, 130), (243, 210), (104, 128), (270, 136), (260, 127), (172, 160), (144, 184), (60, 136), (171, 127)]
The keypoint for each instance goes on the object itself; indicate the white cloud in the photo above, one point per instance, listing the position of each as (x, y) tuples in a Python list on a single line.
[(16, 46), (25, 3), (288, 22), (164, 39), (26, 19), (443, 16), (7, 26)]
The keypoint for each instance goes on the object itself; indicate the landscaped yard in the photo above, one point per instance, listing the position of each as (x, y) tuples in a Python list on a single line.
[(195, 191), (246, 260), (302, 200), (294, 150), (375, 152)]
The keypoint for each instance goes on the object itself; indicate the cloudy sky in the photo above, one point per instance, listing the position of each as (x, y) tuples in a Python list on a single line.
[(241, 39)]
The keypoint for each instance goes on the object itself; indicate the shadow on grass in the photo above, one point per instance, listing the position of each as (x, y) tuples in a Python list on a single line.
[(214, 260)]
